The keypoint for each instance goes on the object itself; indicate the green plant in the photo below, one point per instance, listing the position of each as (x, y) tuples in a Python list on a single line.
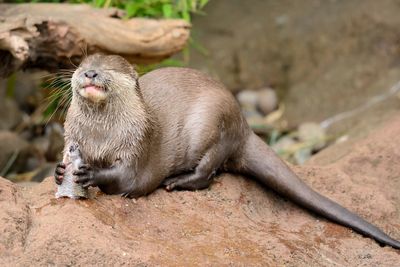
[(143, 8), (157, 8)]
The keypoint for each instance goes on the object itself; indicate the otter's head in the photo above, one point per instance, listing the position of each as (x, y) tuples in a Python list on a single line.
[(101, 77)]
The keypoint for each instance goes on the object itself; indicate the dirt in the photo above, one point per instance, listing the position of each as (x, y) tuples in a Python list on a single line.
[(234, 223)]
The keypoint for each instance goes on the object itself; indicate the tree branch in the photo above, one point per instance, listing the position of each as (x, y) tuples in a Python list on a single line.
[(53, 36)]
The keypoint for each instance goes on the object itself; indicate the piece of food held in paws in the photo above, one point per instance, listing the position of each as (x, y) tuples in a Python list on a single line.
[(68, 187)]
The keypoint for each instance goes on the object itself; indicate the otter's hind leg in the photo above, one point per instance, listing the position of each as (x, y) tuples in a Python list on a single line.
[(203, 174), (189, 181)]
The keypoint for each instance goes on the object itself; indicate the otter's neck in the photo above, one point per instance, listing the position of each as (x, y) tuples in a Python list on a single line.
[(123, 121), (127, 106)]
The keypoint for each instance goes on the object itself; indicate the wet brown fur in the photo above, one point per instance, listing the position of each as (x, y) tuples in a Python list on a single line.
[(177, 126)]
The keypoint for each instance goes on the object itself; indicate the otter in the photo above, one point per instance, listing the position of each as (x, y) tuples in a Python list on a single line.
[(174, 127)]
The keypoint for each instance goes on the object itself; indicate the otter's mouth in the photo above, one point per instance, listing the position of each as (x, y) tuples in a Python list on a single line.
[(93, 92), (91, 88)]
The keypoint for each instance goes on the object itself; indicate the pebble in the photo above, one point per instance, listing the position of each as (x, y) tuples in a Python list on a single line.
[(248, 99), (283, 144), (313, 133), (267, 100), (302, 155)]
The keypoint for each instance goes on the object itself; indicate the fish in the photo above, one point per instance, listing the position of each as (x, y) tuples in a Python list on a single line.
[(69, 188)]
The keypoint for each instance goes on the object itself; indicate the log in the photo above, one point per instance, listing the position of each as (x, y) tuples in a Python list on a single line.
[(55, 36)]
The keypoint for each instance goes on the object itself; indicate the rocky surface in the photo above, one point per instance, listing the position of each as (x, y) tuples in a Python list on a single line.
[(236, 222)]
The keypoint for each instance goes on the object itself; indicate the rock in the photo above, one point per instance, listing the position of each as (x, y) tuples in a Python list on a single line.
[(248, 99), (10, 115), (55, 134), (313, 134), (27, 91), (267, 100), (235, 222), (252, 114), (284, 144), (253, 117), (27, 184), (50, 141), (302, 155), (252, 102), (16, 154), (37, 175), (14, 221), (44, 171), (41, 143)]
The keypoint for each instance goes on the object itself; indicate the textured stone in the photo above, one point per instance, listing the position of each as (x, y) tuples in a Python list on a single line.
[(235, 222)]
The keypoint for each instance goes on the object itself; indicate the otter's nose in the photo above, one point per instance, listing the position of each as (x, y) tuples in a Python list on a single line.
[(90, 74)]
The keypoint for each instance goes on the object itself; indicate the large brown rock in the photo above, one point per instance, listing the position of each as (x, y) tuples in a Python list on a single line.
[(236, 222)]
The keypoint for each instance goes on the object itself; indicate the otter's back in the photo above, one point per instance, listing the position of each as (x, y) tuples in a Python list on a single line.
[(192, 110)]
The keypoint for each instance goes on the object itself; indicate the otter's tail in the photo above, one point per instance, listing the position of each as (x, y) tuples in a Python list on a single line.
[(259, 161)]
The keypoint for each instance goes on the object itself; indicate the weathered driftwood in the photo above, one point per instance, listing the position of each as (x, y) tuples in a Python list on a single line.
[(50, 36)]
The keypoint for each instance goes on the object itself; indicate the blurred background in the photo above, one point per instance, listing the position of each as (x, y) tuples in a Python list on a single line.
[(308, 74)]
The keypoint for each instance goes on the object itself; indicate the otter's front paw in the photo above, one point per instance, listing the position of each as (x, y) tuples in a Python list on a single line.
[(85, 176), (59, 173)]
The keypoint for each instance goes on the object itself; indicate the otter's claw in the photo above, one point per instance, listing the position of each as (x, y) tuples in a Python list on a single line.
[(85, 176), (170, 183), (59, 173), (125, 194)]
